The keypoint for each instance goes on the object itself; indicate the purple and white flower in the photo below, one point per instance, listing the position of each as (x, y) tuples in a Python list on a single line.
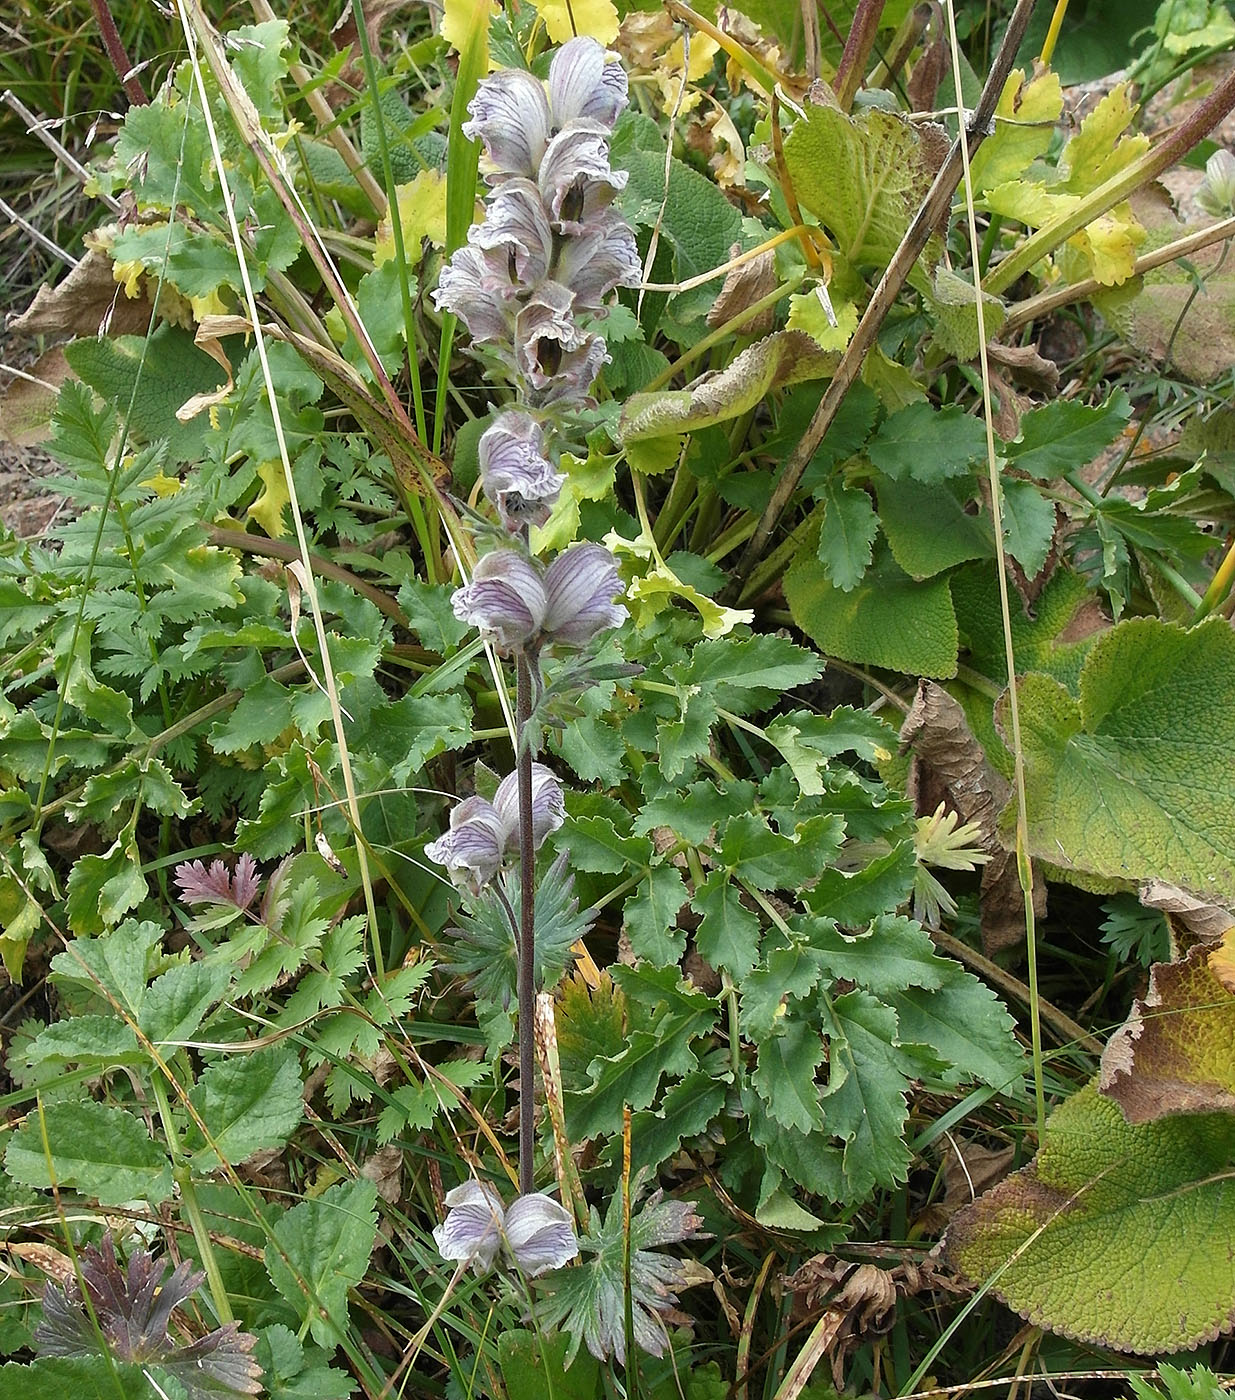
[(473, 848), (514, 118), (580, 586), (484, 834), (517, 476), (548, 806), (539, 1234), (505, 599), (472, 1229), (536, 1230)]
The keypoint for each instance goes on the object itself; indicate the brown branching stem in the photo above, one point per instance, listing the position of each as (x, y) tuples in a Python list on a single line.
[(112, 42), (857, 52), (934, 209), (527, 929)]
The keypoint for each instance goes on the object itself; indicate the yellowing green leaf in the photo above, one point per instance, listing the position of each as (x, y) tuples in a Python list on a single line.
[(863, 177), (1025, 120), (806, 313), (565, 18), (462, 19), (1108, 244), (1117, 1234), (1100, 149), (1176, 1051), (661, 582), (267, 510), (776, 361), (422, 214), (590, 480)]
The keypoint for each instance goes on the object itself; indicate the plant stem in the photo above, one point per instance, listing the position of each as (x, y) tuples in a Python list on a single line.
[(858, 45), (114, 45), (527, 928)]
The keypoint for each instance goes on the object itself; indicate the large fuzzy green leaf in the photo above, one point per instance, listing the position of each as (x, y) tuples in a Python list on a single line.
[(888, 620), (1136, 778), (103, 1151), (1114, 1234)]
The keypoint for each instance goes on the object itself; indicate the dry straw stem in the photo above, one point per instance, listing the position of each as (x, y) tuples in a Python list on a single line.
[(333, 132), (935, 207)]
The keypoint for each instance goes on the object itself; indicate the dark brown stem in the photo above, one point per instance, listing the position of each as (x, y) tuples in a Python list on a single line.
[(129, 81), (527, 929), (858, 47), (934, 208)]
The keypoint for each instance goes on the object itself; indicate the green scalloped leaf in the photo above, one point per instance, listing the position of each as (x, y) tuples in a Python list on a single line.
[(862, 176), (1136, 779), (888, 620), (928, 528), (1025, 120), (103, 1151), (847, 533), (165, 371), (1116, 1234)]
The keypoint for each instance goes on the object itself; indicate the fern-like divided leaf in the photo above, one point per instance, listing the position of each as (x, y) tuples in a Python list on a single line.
[(482, 947), (590, 1301)]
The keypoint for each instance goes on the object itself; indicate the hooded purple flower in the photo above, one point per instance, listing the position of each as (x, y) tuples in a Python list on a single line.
[(536, 1231), (473, 848), (505, 599), (472, 1229), (517, 476), (602, 257), (476, 284), (539, 1234), (516, 223), (580, 586), (575, 179), (482, 834), (555, 358), (548, 806), (515, 119), (585, 85)]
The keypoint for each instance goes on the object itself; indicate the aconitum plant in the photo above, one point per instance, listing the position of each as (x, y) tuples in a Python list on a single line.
[(528, 285)]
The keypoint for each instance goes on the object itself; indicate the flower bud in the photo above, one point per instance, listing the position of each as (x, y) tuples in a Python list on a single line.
[(580, 586), (1217, 192), (517, 476), (505, 599)]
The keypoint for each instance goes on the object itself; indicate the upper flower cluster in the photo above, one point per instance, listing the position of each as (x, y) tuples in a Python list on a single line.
[(551, 248)]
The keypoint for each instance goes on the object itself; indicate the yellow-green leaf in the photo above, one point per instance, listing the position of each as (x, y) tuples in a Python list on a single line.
[(565, 18)]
